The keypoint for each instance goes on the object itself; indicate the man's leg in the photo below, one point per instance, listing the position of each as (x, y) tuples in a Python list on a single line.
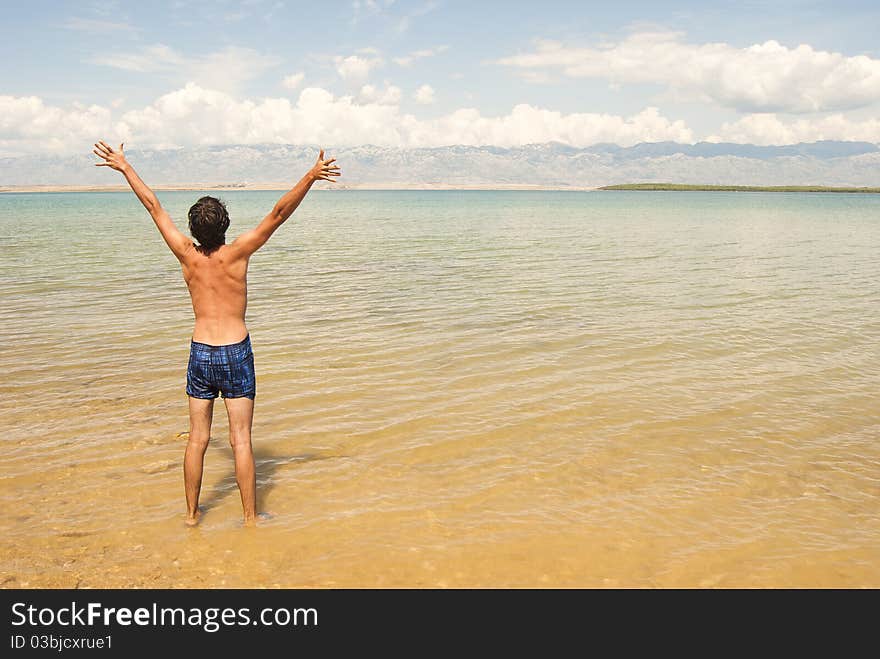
[(200, 413), (241, 416)]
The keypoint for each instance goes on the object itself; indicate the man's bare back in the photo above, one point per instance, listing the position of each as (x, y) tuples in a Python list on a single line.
[(217, 285), (221, 360)]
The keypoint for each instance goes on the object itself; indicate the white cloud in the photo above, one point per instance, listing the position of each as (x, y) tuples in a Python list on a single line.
[(29, 125), (355, 68), (430, 52), (224, 69), (408, 59), (390, 95), (526, 124), (194, 115), (767, 129), (150, 59), (227, 69), (766, 77), (293, 81), (424, 95)]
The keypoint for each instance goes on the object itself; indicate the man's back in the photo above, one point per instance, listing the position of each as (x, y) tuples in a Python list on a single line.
[(217, 285)]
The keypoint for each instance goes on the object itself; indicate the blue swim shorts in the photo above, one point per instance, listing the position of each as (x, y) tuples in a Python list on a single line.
[(225, 369)]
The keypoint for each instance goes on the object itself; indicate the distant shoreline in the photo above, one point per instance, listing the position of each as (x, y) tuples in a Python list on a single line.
[(681, 187), (280, 187)]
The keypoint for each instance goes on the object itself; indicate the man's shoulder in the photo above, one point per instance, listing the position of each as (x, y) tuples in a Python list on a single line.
[(234, 251), (189, 253), (225, 255)]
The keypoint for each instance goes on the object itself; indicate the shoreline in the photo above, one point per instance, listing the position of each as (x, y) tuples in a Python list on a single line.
[(281, 187), (686, 187)]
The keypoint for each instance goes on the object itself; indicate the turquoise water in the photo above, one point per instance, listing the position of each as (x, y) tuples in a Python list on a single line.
[(573, 388)]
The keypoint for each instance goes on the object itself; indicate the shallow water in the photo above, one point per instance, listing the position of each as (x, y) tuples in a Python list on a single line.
[(455, 389)]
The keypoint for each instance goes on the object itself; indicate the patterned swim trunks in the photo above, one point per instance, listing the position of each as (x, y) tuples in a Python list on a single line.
[(227, 369)]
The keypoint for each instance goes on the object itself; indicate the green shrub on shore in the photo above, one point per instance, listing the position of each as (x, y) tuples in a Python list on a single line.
[(734, 188)]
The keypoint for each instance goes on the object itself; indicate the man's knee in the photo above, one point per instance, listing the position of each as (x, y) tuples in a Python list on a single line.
[(198, 440), (240, 439)]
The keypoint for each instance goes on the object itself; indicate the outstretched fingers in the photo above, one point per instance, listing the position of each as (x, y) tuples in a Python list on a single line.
[(326, 168)]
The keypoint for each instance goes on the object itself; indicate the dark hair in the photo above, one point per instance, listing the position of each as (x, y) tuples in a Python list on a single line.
[(208, 221)]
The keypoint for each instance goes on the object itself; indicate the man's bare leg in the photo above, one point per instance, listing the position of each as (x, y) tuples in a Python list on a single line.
[(241, 416), (201, 412)]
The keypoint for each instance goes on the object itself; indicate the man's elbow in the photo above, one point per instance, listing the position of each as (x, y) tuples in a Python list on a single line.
[(277, 216)]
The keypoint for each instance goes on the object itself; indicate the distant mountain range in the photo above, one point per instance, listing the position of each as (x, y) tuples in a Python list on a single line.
[(550, 164)]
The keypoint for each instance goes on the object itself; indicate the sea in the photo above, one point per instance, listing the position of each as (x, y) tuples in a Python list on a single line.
[(578, 389)]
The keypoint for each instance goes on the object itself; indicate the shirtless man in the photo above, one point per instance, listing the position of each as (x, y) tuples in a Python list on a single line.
[(221, 360)]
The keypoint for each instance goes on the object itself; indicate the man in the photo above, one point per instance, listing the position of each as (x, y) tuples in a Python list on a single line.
[(221, 360)]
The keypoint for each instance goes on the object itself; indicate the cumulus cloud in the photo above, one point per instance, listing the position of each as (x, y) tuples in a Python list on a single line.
[(293, 81), (527, 124), (390, 95), (424, 95), (766, 77), (354, 67), (224, 69), (27, 124), (195, 115), (766, 129)]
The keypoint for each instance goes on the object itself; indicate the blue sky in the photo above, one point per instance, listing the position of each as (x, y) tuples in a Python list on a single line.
[(432, 72)]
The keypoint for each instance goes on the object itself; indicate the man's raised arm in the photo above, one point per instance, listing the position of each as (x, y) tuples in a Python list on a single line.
[(176, 241), (250, 241)]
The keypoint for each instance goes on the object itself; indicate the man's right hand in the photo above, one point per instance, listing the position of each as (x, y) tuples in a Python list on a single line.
[(323, 171), (113, 159)]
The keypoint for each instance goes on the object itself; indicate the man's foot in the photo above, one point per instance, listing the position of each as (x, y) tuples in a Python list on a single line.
[(261, 517), (193, 520)]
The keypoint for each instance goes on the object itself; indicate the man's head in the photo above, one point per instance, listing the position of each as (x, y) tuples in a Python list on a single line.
[(208, 221)]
